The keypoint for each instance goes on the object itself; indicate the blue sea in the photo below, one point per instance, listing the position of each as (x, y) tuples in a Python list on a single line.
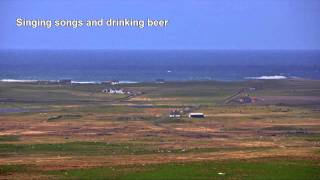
[(148, 65)]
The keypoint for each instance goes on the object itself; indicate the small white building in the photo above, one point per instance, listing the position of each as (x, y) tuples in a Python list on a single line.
[(196, 115)]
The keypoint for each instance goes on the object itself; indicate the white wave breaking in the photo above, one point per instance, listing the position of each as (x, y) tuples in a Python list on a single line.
[(18, 80), (85, 82), (268, 77), (57, 81), (127, 82)]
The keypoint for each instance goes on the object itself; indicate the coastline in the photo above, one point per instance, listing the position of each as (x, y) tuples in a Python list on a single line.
[(70, 81)]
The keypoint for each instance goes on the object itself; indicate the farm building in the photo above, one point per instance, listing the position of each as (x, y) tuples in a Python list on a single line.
[(196, 115), (115, 91), (175, 114)]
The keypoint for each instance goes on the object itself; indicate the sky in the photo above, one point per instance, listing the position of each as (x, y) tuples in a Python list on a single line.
[(193, 24)]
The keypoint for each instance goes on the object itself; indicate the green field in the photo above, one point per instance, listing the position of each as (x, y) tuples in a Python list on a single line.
[(277, 169)]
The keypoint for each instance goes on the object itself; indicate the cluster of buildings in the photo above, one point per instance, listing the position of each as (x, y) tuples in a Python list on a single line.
[(115, 91), (113, 82), (178, 114), (175, 114)]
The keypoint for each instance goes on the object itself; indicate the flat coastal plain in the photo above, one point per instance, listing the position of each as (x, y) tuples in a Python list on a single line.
[(257, 129)]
